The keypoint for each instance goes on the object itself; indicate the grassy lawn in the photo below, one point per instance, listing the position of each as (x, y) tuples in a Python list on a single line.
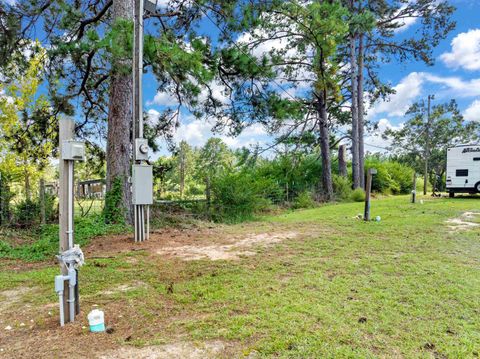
[(407, 286)]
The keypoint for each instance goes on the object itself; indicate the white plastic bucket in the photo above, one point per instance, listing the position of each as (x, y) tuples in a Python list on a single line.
[(96, 321)]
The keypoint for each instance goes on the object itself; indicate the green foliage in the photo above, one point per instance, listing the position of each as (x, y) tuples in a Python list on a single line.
[(114, 212), (342, 187), (392, 177), (304, 200), (357, 195), (239, 195), (27, 212), (46, 246)]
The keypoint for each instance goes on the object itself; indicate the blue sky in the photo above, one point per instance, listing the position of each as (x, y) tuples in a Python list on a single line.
[(456, 74)]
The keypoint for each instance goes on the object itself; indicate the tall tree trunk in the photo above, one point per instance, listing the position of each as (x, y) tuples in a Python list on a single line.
[(120, 117), (354, 108), (361, 112), (342, 161), (325, 146), (427, 148)]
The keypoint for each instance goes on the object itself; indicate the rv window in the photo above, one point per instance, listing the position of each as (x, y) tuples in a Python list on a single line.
[(476, 158), (462, 173)]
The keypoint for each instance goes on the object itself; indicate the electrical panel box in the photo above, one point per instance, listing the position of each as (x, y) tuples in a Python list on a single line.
[(141, 149), (73, 150), (142, 184)]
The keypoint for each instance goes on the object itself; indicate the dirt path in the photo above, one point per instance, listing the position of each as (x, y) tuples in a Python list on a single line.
[(188, 245)]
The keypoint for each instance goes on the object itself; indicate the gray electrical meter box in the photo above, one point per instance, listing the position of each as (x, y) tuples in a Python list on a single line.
[(142, 184), (141, 149), (73, 150)]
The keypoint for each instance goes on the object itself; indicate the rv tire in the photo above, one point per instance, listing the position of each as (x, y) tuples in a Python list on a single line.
[(451, 194), (477, 187)]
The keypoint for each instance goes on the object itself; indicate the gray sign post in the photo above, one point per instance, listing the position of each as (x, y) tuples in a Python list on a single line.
[(371, 172)]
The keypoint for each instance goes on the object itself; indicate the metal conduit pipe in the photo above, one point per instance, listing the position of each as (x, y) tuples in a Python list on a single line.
[(71, 287), (70, 205), (59, 288)]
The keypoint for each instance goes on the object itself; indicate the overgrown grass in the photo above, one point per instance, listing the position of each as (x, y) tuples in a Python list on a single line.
[(404, 287), (45, 243)]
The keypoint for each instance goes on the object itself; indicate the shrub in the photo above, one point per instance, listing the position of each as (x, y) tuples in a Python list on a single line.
[(342, 187), (27, 213), (391, 178), (304, 200), (358, 195), (239, 195)]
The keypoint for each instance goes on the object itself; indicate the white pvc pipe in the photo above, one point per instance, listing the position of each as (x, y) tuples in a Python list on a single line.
[(135, 223), (71, 302), (62, 316), (148, 222), (142, 231)]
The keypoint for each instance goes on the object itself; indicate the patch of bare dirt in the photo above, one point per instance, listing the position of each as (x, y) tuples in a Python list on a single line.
[(179, 350), (12, 296), (465, 222), (231, 251), (124, 288), (190, 244)]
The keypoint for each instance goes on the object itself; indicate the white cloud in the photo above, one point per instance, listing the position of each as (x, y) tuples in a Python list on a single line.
[(163, 99), (465, 51), (197, 132), (374, 142), (153, 116), (472, 113), (455, 86), (406, 22), (406, 92), (219, 92)]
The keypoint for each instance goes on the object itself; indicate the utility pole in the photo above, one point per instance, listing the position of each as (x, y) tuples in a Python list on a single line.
[(67, 127), (427, 146), (70, 151), (142, 172)]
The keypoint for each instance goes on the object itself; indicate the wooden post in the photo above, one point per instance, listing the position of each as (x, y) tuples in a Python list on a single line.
[(342, 161), (371, 172), (414, 190), (67, 127), (41, 195)]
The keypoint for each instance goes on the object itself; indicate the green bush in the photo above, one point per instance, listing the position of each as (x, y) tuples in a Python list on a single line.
[(27, 213), (391, 178), (342, 187), (304, 200), (239, 195), (358, 195)]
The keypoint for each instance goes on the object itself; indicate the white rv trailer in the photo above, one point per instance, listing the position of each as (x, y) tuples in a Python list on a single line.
[(463, 169)]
